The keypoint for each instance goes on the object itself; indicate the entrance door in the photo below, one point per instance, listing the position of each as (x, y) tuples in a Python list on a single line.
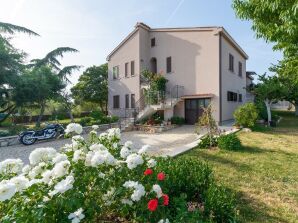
[(194, 109)]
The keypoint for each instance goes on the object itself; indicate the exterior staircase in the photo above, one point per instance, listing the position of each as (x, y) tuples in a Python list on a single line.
[(155, 100)]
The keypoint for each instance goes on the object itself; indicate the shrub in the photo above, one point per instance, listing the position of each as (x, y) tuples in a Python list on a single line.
[(207, 142), (177, 120), (220, 204), (229, 142), (246, 115), (4, 133), (85, 121), (97, 115)]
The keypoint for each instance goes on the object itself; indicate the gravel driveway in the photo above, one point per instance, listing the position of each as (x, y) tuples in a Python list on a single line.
[(159, 142)]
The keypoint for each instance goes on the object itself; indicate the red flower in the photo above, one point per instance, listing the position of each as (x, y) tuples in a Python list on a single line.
[(165, 199), (152, 204), (148, 172), (161, 176)]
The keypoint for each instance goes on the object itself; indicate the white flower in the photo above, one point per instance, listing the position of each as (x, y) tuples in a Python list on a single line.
[(138, 192), (11, 166), (61, 169), (101, 157), (89, 156), (133, 160), (151, 163), (42, 155), (36, 170), (97, 159), (77, 216), (63, 186), (78, 155), (74, 127), (114, 133), (20, 182), (7, 190), (126, 201), (128, 144), (97, 147), (69, 147), (26, 169), (93, 132), (124, 152), (77, 138), (59, 157), (34, 181), (47, 176), (144, 149), (156, 188), (163, 221), (95, 127)]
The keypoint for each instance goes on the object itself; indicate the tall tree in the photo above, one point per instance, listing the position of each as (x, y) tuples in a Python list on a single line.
[(11, 65), (277, 22), (270, 90), (93, 86), (37, 86)]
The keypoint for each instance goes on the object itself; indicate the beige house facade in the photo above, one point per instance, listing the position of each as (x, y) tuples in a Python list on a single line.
[(202, 65)]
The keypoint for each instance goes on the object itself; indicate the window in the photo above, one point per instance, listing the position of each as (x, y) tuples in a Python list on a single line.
[(240, 69), (132, 68), (240, 98), (116, 101), (169, 64), (152, 42), (133, 101), (231, 62), (116, 72), (127, 101), (126, 69), (232, 96)]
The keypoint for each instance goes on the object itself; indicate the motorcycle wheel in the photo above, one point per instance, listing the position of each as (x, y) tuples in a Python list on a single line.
[(27, 139)]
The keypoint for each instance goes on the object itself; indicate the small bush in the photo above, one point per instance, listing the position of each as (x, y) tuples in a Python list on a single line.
[(229, 142), (4, 133), (220, 204), (85, 121), (205, 142), (246, 115), (177, 120), (97, 115)]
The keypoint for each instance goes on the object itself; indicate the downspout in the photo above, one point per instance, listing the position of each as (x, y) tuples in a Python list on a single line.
[(220, 78)]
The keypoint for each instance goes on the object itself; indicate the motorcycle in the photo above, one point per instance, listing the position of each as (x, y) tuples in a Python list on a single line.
[(49, 132)]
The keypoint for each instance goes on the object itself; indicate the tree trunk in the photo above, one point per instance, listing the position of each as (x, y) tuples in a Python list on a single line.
[(70, 115), (296, 109), (9, 112), (268, 107), (42, 109)]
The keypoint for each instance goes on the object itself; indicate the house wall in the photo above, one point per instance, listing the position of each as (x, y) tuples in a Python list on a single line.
[(195, 61), (124, 85), (230, 80)]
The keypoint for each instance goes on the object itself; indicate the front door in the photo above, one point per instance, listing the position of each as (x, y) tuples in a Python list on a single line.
[(194, 109)]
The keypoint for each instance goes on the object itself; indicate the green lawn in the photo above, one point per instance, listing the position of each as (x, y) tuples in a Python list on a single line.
[(264, 175)]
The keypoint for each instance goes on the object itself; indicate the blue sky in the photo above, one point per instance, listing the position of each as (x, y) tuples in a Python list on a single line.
[(95, 27)]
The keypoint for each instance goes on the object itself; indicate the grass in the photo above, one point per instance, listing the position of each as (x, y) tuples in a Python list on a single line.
[(264, 174)]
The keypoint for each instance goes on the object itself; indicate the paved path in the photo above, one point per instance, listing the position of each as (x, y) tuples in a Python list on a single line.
[(160, 143)]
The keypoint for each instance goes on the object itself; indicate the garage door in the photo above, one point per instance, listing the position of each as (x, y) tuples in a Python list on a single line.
[(193, 109)]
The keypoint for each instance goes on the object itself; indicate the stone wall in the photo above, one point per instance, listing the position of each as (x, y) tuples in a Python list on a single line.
[(14, 140)]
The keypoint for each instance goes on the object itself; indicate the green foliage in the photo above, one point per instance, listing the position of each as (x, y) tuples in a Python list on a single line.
[(207, 142), (92, 86), (4, 133), (157, 81), (246, 115), (86, 121), (97, 114), (220, 204), (229, 142), (191, 180), (177, 120), (261, 108)]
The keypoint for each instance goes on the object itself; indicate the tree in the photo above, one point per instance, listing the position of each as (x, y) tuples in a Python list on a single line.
[(206, 121), (35, 87), (291, 91), (67, 102), (11, 65), (276, 21), (93, 86), (269, 90)]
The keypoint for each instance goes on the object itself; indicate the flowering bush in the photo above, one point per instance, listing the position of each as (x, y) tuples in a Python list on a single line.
[(88, 180)]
